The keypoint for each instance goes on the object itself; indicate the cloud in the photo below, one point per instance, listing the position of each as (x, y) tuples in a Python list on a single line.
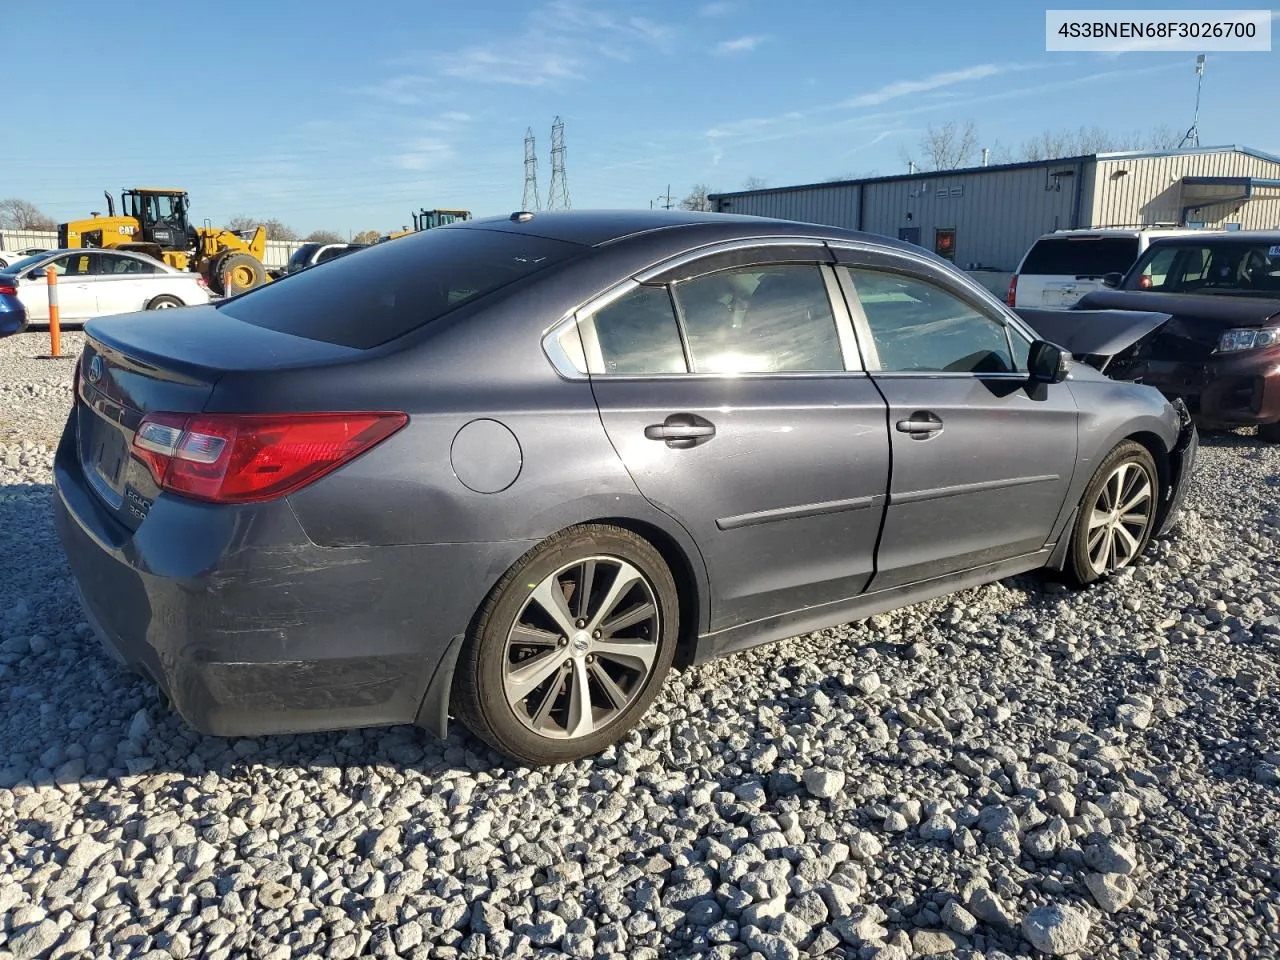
[(422, 153), (562, 41), (904, 88), (456, 116), (727, 48), (717, 8)]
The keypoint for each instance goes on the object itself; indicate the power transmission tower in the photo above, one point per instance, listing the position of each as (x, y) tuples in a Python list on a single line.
[(1192, 136), (559, 180), (531, 199)]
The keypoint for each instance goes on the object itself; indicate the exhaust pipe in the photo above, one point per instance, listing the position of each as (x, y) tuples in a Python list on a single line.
[(111, 203)]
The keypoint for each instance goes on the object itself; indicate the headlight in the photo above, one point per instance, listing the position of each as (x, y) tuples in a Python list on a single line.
[(1232, 341)]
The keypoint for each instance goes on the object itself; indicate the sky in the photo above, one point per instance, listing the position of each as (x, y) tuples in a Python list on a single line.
[(347, 117)]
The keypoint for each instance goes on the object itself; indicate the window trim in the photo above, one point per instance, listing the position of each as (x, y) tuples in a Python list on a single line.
[(871, 353), (583, 319)]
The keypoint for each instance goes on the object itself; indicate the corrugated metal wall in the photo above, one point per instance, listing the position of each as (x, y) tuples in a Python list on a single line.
[(276, 255), (996, 215), (1150, 192), (836, 205)]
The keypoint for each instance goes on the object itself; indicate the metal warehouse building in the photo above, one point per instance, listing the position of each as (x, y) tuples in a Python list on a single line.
[(985, 218)]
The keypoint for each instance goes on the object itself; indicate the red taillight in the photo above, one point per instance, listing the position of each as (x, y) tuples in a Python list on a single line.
[(243, 458), (9, 289), (202, 281), (1012, 295)]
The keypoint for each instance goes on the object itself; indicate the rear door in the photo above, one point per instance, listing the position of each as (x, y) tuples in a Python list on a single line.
[(981, 460), (124, 284), (1058, 270), (735, 398)]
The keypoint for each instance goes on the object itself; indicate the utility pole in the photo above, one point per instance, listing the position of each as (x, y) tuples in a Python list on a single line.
[(1192, 136), (559, 179), (663, 197), (531, 199)]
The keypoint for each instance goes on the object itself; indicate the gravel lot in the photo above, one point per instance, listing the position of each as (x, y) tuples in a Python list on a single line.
[(1011, 771)]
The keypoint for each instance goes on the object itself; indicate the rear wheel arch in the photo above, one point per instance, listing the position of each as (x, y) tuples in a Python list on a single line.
[(691, 588), (688, 585)]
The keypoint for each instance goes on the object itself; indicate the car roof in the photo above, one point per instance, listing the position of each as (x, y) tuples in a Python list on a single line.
[(1231, 236), (596, 228), (132, 254)]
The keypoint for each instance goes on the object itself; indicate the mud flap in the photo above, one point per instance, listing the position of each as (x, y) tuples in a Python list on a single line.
[(433, 714)]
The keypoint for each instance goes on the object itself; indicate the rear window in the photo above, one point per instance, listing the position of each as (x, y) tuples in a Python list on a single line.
[(299, 258), (1080, 256), (396, 287)]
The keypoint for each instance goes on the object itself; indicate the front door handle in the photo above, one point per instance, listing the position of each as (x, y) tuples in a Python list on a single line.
[(921, 425), (681, 430)]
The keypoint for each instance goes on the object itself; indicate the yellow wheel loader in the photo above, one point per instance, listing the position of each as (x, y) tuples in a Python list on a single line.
[(154, 221)]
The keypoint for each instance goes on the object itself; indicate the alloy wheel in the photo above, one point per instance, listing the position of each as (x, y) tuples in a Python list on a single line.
[(582, 649), (1119, 518)]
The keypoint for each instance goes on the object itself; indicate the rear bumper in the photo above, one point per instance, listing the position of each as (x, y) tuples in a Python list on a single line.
[(1224, 391), (249, 628)]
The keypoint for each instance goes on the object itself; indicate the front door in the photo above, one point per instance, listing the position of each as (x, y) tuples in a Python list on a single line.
[(981, 460), (742, 421)]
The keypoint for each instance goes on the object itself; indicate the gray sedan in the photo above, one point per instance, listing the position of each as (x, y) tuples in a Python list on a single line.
[(511, 470)]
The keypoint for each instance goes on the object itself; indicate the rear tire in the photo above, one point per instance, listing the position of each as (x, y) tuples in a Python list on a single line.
[(1269, 432), (546, 687), (164, 302), (1117, 515)]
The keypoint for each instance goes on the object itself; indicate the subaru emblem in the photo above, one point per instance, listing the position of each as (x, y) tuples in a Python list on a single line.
[(95, 369)]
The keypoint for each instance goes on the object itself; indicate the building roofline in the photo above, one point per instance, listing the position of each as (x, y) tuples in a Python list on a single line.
[(918, 175), (996, 167)]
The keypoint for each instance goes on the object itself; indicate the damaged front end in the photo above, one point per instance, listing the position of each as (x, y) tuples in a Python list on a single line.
[(1115, 342)]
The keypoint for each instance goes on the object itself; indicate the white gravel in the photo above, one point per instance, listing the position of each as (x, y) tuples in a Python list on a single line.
[(1012, 770)]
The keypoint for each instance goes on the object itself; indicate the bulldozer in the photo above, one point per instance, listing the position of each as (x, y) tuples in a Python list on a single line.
[(425, 220), (154, 221)]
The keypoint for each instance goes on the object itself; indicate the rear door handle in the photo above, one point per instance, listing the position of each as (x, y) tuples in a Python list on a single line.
[(681, 430), (920, 425)]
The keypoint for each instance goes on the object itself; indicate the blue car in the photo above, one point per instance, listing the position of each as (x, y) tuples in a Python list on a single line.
[(13, 315)]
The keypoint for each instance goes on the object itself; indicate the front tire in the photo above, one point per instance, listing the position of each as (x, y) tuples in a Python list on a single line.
[(570, 647), (1117, 514)]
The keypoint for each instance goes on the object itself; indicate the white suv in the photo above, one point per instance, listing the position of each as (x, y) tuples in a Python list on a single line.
[(1061, 267)]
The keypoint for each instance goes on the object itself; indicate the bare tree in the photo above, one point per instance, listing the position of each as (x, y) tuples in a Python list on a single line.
[(1090, 140), (23, 215), (754, 183), (323, 236), (279, 231), (1163, 137), (946, 147), (366, 236), (275, 229), (697, 199)]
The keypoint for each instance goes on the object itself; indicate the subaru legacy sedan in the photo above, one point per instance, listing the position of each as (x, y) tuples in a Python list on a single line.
[(511, 470)]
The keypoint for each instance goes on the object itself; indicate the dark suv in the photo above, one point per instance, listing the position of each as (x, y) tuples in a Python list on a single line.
[(313, 254), (1220, 348)]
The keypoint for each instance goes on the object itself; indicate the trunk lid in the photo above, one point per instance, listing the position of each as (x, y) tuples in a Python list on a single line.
[(165, 361)]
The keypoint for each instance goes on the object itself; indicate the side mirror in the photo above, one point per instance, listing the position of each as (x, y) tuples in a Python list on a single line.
[(1047, 362), (1112, 279)]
